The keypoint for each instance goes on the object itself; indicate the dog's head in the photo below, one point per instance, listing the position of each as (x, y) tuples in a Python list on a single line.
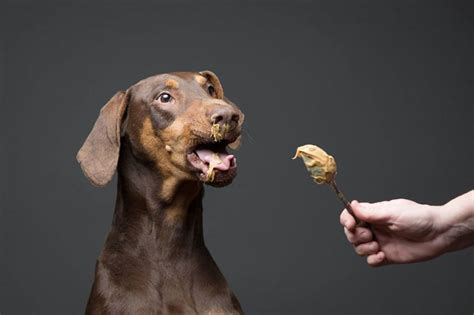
[(180, 124)]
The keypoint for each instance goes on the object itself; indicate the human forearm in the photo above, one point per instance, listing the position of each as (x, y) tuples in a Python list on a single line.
[(457, 216)]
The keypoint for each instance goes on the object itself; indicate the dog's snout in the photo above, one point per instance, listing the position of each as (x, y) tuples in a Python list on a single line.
[(225, 116)]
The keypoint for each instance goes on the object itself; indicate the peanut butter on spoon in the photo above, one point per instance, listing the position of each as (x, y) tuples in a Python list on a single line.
[(322, 168), (319, 164)]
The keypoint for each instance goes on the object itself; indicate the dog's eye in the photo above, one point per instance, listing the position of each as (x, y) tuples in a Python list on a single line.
[(164, 97), (211, 90)]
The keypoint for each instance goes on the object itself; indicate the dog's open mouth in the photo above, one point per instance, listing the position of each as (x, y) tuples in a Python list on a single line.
[(214, 164)]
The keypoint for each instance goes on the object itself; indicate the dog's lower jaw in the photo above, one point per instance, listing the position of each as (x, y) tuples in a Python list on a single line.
[(154, 259)]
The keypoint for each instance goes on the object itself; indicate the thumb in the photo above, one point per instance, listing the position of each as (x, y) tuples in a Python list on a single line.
[(370, 212)]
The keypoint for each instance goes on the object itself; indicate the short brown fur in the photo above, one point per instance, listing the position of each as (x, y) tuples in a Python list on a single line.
[(154, 260)]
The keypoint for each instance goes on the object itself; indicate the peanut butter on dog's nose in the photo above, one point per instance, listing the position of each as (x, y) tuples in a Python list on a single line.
[(218, 132), (319, 164)]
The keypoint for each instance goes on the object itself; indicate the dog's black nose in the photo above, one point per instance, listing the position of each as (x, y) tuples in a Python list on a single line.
[(224, 115)]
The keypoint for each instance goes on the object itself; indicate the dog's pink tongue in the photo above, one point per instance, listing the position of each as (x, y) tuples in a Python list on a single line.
[(206, 156)]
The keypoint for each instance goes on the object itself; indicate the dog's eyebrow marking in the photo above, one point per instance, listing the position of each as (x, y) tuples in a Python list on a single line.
[(200, 79), (172, 84)]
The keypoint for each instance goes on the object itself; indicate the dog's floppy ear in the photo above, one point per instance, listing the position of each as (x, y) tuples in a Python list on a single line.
[(99, 154), (214, 80)]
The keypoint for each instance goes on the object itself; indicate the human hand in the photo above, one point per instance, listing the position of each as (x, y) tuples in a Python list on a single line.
[(405, 231)]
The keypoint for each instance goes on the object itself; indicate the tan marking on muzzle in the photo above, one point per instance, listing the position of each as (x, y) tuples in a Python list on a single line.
[(148, 138), (152, 144)]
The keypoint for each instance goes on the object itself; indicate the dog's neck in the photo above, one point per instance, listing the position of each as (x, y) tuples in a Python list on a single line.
[(159, 214)]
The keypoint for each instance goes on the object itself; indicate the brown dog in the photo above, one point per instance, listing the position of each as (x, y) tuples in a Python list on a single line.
[(161, 135)]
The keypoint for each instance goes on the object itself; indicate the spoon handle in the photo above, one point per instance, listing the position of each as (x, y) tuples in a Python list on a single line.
[(347, 204)]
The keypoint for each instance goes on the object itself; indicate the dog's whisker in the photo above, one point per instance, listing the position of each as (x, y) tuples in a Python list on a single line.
[(252, 140)]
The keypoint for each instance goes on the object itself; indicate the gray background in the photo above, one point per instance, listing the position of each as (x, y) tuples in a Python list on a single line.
[(386, 87)]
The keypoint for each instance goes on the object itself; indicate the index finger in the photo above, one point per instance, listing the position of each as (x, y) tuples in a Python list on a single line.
[(347, 220)]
